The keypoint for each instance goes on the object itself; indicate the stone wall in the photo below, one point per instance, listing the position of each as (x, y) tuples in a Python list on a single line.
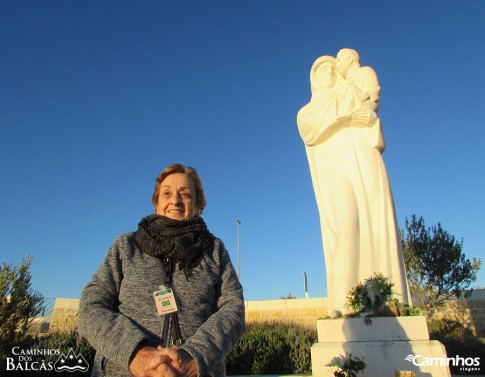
[(64, 315), (470, 312), (302, 311)]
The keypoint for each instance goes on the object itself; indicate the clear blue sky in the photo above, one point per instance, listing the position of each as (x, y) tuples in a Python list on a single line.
[(96, 97)]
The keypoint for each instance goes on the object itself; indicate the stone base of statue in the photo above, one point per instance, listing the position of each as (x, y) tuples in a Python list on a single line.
[(387, 345)]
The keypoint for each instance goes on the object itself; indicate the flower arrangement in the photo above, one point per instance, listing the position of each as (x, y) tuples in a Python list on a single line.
[(371, 294), (349, 366)]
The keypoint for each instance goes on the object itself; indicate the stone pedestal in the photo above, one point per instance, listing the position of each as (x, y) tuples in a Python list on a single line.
[(387, 345)]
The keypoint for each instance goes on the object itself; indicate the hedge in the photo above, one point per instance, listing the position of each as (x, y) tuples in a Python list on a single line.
[(263, 349), (272, 348)]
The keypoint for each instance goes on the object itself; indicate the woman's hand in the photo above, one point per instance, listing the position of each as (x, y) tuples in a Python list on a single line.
[(151, 362), (182, 362)]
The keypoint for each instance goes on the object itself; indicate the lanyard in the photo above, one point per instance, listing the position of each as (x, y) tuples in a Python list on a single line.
[(169, 267)]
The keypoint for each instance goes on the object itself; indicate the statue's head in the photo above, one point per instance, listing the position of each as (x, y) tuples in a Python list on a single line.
[(322, 75), (347, 58)]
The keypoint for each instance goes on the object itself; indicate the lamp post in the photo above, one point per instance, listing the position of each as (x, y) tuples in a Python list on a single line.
[(305, 284), (238, 248)]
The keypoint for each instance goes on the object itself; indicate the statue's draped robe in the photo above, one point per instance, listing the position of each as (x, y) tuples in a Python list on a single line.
[(357, 216)]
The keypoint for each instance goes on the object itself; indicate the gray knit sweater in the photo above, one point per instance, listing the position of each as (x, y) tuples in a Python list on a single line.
[(118, 312)]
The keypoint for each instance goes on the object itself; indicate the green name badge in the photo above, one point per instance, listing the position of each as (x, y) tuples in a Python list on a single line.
[(165, 301)]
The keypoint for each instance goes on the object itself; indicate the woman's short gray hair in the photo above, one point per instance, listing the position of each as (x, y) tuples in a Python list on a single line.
[(190, 172)]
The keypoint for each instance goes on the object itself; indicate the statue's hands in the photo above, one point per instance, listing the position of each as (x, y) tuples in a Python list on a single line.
[(367, 117), (345, 116), (361, 116), (364, 96)]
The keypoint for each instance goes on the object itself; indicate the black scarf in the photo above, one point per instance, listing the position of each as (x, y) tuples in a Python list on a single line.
[(182, 241)]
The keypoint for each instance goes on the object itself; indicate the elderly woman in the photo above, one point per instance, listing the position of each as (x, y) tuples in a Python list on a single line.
[(166, 300)]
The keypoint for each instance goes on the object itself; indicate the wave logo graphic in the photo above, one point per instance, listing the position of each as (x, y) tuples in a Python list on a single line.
[(71, 363), (411, 358)]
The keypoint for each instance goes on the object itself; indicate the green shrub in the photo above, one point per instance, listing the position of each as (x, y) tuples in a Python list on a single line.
[(264, 349), (457, 340), (445, 328), (272, 348), (301, 341), (19, 303)]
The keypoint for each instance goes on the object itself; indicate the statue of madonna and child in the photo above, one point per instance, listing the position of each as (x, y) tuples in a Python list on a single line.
[(344, 143)]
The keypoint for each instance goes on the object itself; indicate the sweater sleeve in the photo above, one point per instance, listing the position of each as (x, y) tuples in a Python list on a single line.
[(112, 334), (215, 338)]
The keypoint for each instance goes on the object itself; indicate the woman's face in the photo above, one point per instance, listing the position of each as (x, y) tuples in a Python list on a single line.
[(177, 199), (325, 75)]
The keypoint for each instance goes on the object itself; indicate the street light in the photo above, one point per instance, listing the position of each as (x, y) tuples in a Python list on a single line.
[(305, 284), (238, 248)]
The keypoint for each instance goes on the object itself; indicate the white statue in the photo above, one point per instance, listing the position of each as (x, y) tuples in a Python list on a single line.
[(364, 78), (343, 141)]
